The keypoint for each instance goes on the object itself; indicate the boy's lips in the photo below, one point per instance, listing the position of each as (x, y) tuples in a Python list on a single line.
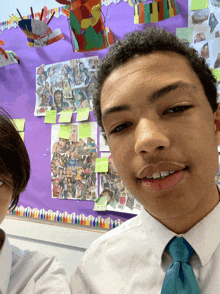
[(150, 169), (163, 184)]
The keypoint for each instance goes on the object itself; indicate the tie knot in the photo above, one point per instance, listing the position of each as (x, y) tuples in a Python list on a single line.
[(180, 249)]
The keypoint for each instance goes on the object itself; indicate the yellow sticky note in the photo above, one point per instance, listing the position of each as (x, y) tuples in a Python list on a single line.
[(19, 124), (216, 73), (65, 116), (82, 114), (84, 131), (22, 135), (65, 132), (185, 33), (50, 117), (101, 204), (101, 165), (199, 4)]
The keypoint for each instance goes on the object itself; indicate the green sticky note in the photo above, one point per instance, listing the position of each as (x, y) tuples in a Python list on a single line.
[(199, 4), (19, 124), (65, 116), (185, 33), (84, 131), (50, 117), (22, 135), (82, 114), (100, 204), (65, 132), (216, 73), (101, 165)]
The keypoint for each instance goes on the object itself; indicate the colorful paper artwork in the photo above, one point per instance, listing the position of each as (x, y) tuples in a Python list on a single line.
[(73, 162), (38, 32), (67, 85), (7, 57), (88, 30), (204, 20), (118, 197), (153, 12)]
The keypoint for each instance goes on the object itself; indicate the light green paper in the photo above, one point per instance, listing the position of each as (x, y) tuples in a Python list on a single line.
[(216, 73), (185, 33), (65, 116), (101, 165), (19, 124), (199, 4), (82, 114), (101, 204), (50, 117), (84, 131), (65, 132), (22, 135)]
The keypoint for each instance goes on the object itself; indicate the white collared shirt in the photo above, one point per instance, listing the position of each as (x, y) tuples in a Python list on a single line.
[(30, 272), (132, 259)]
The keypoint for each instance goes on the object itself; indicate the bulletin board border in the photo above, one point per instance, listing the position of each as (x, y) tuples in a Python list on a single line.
[(81, 219)]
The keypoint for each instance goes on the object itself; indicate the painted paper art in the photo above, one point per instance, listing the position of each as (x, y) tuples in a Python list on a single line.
[(118, 197), (73, 164), (88, 29), (205, 21), (38, 32), (153, 12), (67, 85), (7, 57)]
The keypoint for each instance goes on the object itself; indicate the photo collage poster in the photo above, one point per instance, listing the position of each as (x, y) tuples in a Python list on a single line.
[(206, 33), (73, 164), (65, 85), (118, 197)]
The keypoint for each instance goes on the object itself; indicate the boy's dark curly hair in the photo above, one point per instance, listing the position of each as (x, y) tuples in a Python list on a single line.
[(145, 42)]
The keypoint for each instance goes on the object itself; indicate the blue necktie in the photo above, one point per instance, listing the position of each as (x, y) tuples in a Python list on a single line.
[(180, 278)]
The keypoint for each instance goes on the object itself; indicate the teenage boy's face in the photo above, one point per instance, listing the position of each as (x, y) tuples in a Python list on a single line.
[(157, 118), (6, 191)]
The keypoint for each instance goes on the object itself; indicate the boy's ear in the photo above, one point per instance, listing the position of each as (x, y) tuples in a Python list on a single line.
[(217, 123)]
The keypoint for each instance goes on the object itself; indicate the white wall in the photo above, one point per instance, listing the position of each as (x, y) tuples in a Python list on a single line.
[(9, 7), (67, 242)]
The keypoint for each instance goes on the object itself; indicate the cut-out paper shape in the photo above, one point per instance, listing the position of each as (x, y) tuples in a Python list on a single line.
[(50, 117), (199, 4), (216, 3), (19, 124), (22, 135), (65, 116), (7, 57), (100, 204), (185, 33), (82, 114), (155, 11), (88, 30), (38, 32), (216, 73), (212, 22), (65, 132), (101, 165), (84, 131)]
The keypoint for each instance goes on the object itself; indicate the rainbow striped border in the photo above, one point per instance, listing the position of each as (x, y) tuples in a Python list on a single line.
[(65, 217)]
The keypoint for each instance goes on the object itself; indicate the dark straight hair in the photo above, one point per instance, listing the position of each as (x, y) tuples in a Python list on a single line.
[(14, 159)]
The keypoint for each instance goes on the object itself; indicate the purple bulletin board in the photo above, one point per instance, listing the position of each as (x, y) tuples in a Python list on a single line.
[(17, 96)]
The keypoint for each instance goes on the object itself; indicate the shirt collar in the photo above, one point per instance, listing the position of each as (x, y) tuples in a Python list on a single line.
[(203, 237), (5, 263)]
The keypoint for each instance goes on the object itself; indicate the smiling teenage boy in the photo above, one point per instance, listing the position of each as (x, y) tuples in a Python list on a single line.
[(21, 271), (156, 104)]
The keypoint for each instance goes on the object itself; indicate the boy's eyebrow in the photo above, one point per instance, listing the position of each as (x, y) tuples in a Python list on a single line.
[(152, 98)]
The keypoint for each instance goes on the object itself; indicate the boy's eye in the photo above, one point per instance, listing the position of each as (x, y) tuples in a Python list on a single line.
[(177, 109), (120, 128)]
